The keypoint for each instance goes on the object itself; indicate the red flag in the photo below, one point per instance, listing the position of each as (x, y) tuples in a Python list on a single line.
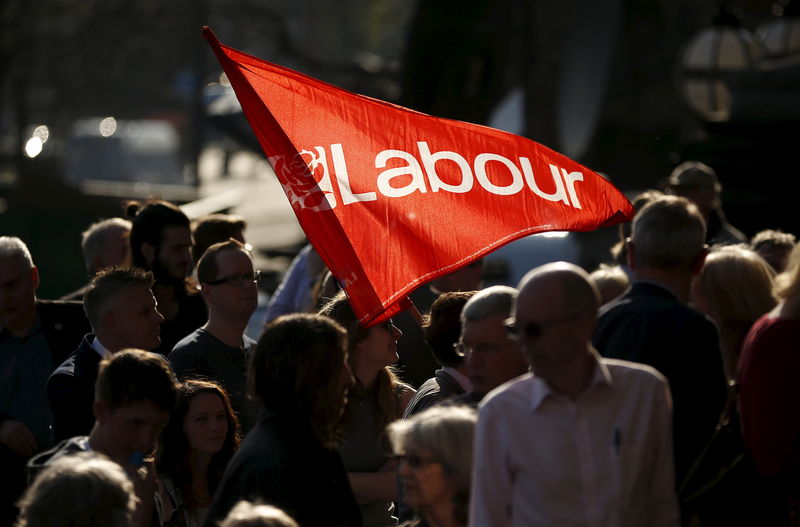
[(392, 198)]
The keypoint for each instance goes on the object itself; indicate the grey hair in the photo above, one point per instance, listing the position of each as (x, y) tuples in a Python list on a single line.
[(495, 300), (95, 237), (249, 514), (668, 232), (82, 489), (447, 432), (11, 246)]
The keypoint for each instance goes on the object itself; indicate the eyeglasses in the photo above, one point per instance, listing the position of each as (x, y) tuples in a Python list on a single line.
[(465, 350), (238, 279), (534, 330), (414, 460)]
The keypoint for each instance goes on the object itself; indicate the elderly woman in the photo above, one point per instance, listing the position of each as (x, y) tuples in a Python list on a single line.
[(734, 289), (80, 490), (435, 452)]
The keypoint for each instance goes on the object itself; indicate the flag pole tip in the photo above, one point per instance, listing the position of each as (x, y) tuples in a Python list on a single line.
[(209, 35)]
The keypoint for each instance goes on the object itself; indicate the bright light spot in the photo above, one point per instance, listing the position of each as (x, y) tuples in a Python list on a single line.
[(108, 126), (42, 132), (554, 234), (223, 79), (33, 147)]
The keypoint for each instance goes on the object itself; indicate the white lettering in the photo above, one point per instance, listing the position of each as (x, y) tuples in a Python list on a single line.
[(480, 175), (429, 162), (570, 179), (412, 169), (342, 178), (557, 195)]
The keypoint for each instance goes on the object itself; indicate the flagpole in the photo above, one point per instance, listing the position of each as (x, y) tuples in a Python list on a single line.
[(415, 314)]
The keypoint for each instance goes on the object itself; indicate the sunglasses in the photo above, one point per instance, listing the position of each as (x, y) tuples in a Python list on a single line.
[(534, 330), (238, 279)]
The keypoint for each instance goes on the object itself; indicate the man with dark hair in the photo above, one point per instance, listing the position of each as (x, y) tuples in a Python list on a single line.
[(122, 311), (35, 336), (652, 323), (134, 395), (161, 242), (220, 350), (442, 329), (216, 228)]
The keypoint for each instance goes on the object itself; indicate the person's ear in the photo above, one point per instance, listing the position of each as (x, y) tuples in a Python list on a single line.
[(206, 292), (149, 252), (35, 277), (631, 253)]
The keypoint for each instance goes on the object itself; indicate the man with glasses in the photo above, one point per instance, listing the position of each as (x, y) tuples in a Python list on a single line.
[(492, 356), (219, 350), (581, 440)]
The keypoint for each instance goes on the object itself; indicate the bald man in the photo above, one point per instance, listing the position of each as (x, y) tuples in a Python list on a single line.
[(581, 440)]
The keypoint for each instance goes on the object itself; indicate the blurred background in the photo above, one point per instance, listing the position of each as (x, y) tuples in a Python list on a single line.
[(109, 100)]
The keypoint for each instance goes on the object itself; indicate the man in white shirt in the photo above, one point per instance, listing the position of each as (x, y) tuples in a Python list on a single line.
[(122, 310), (580, 441)]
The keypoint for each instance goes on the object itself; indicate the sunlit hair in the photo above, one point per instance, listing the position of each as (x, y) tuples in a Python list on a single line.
[(133, 375), (249, 514), (737, 284), (445, 433), (215, 228), (108, 283), (577, 292), (620, 250), (95, 238), (774, 246), (490, 302), (669, 232), (296, 367), (442, 327), (85, 489), (388, 386), (787, 284), (11, 246), (208, 266), (174, 449), (610, 280), (148, 223)]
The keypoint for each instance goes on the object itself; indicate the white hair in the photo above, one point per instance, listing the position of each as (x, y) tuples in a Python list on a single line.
[(11, 246), (494, 300), (248, 514), (95, 237)]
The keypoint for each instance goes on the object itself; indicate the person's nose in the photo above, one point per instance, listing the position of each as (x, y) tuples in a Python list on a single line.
[(157, 316), (396, 333)]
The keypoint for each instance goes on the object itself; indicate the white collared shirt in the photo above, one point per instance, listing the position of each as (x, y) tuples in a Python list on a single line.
[(603, 459), (99, 348)]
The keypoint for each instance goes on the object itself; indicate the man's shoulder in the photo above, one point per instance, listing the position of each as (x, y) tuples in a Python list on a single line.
[(633, 371), (66, 447), (514, 392), (195, 341)]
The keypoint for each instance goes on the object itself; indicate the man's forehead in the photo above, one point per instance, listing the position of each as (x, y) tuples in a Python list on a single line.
[(486, 328), (176, 234), (13, 267)]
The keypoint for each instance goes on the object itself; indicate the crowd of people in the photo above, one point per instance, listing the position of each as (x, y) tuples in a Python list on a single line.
[(656, 390)]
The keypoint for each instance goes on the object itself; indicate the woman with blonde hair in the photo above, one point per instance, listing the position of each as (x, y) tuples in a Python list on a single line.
[(734, 288), (435, 452), (377, 399), (769, 386)]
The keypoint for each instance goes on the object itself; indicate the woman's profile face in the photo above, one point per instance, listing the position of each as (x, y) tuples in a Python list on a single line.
[(425, 482), (379, 347), (206, 423)]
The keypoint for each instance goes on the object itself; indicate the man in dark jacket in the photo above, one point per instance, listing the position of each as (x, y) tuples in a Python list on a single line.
[(122, 311), (35, 336), (652, 324)]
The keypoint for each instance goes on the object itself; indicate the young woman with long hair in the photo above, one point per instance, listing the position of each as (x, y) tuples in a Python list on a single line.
[(196, 445)]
